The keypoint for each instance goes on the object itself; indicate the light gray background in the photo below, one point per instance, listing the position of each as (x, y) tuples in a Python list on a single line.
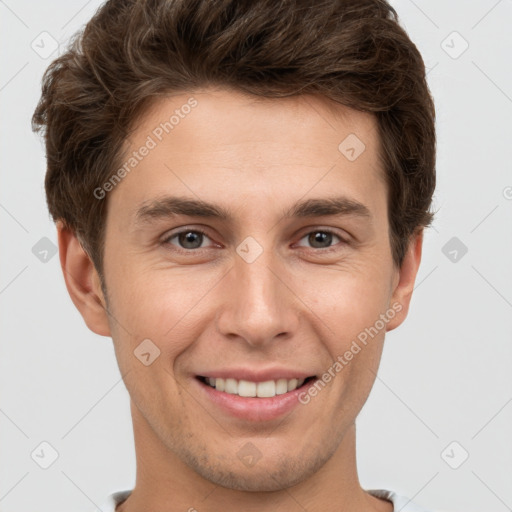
[(445, 374)]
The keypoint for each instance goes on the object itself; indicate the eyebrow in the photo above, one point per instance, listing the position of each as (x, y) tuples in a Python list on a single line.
[(169, 206)]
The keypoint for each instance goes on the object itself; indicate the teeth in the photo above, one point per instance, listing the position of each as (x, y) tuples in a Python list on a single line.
[(292, 384), (266, 389), (219, 384), (281, 386), (247, 388), (231, 386)]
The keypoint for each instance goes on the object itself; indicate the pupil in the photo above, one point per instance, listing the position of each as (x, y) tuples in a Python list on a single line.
[(189, 240), (320, 236)]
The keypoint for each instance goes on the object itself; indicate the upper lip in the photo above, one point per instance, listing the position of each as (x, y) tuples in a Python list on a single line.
[(254, 375)]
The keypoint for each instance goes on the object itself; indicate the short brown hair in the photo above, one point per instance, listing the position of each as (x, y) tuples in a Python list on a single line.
[(351, 51)]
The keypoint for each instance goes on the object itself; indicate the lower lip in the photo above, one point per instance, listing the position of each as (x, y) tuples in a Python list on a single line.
[(253, 408)]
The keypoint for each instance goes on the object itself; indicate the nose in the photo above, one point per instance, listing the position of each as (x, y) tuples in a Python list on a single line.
[(258, 304)]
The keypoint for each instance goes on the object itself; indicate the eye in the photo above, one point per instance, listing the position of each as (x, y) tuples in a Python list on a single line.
[(188, 239), (193, 239), (321, 239)]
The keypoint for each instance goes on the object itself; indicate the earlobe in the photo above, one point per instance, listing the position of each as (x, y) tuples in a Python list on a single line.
[(402, 292), (82, 281)]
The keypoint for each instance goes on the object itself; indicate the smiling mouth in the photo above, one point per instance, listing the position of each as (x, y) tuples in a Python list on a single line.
[(245, 388)]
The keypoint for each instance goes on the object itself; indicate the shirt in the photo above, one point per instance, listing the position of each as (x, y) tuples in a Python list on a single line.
[(400, 503)]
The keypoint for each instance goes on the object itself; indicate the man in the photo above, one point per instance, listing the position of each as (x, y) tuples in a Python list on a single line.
[(240, 190)]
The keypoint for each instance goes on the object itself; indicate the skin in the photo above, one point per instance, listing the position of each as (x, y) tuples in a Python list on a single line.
[(208, 308)]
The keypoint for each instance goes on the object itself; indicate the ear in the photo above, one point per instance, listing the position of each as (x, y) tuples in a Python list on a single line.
[(404, 281), (82, 281)]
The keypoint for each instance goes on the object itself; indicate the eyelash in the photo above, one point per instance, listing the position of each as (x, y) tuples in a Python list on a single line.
[(325, 250)]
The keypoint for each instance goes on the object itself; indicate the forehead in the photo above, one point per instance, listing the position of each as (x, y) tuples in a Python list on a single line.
[(224, 144), (213, 117)]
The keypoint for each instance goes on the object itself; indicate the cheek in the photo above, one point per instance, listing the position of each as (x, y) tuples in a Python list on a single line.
[(347, 302), (350, 304), (166, 306)]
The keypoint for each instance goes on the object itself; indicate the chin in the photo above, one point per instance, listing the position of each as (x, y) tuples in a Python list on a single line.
[(265, 476), (251, 480)]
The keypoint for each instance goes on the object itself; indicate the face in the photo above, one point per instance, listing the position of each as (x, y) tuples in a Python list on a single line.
[(245, 244)]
